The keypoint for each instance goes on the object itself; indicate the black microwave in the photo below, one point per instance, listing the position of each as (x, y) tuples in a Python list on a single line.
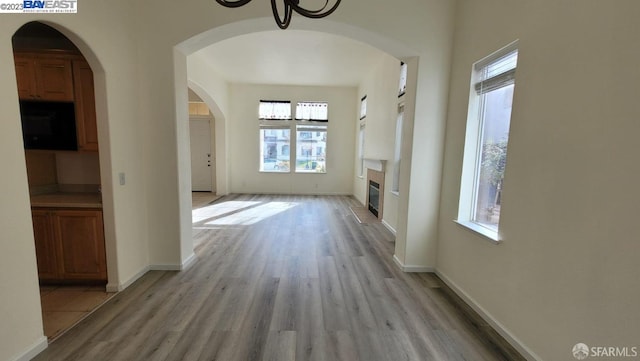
[(48, 125)]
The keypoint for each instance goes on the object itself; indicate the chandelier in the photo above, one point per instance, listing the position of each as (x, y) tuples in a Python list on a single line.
[(289, 7)]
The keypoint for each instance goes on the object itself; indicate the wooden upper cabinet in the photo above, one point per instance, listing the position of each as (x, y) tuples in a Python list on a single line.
[(25, 76), (41, 78), (87, 129)]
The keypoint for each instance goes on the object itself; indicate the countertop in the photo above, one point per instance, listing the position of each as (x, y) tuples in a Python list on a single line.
[(67, 200)]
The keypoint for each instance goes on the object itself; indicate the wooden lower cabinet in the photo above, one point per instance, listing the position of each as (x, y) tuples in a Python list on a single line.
[(69, 244)]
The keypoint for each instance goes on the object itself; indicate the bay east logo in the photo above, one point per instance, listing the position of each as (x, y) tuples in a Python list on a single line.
[(580, 351), (67, 6)]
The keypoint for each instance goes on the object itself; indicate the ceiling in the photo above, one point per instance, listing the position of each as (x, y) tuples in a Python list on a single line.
[(292, 57)]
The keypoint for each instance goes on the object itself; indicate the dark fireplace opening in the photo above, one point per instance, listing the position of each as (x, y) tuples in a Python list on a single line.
[(374, 197)]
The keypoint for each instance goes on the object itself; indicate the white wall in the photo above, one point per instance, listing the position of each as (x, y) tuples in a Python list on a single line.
[(20, 312), (381, 89), (244, 145), (567, 271), (112, 56), (78, 168)]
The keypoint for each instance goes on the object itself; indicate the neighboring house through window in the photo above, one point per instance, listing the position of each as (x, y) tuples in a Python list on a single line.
[(310, 141), (275, 135)]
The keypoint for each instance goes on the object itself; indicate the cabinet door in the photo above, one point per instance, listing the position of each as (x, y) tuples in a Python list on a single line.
[(54, 79), (80, 237), (87, 128), (46, 252), (25, 77)]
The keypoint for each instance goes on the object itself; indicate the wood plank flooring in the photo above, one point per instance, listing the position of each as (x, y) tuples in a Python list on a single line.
[(284, 278)]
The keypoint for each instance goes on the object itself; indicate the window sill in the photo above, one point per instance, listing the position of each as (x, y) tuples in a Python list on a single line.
[(489, 235)]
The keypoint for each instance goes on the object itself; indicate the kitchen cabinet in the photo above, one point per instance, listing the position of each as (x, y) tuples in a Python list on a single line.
[(86, 126), (64, 77), (44, 78), (69, 244)]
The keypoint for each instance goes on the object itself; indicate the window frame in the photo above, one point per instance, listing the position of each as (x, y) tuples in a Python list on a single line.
[(397, 156), (312, 128), (473, 144), (273, 126), (287, 123)]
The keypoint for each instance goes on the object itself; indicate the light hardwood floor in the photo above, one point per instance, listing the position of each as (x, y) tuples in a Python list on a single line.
[(284, 278)]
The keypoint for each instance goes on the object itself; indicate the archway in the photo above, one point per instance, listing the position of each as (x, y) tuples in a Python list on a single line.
[(74, 68), (190, 46)]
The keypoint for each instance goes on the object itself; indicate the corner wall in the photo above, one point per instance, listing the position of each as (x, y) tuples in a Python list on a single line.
[(567, 269)]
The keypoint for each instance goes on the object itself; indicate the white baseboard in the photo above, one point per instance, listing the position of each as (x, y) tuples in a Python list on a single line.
[(188, 262), (119, 287), (165, 267), (512, 340), (32, 351), (388, 226), (154, 267), (412, 268)]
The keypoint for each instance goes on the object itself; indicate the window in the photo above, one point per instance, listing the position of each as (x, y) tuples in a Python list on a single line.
[(402, 88), (274, 149), (361, 150), (363, 107), (486, 141), (397, 158), (311, 146), (310, 142)]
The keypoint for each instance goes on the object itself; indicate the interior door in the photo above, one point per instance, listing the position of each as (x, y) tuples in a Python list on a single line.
[(202, 160)]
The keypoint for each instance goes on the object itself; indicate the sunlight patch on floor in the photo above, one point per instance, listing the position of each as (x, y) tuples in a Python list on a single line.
[(219, 209), (251, 215)]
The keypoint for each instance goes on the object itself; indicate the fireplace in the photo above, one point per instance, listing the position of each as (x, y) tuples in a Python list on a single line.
[(374, 198), (375, 192)]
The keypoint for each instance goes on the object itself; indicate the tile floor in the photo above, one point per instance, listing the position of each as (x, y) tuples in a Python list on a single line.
[(64, 306), (201, 199)]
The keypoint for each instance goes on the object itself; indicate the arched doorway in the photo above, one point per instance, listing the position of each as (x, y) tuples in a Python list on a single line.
[(194, 44), (64, 166)]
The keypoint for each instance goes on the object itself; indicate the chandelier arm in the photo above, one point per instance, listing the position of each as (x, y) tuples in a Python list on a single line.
[(233, 4), (294, 3), (313, 14), (282, 23)]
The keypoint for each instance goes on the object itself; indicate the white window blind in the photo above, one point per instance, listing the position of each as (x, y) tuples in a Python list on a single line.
[(274, 110), (496, 72), (313, 111), (403, 79)]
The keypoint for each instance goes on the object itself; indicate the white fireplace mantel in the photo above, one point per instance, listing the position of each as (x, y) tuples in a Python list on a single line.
[(375, 164)]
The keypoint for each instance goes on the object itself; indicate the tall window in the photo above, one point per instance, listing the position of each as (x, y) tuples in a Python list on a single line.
[(397, 158), (361, 150), (275, 135), (311, 137), (486, 141)]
